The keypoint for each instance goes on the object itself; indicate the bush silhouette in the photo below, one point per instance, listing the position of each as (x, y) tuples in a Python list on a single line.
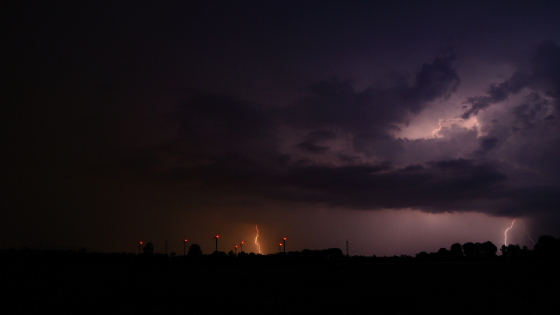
[(148, 249), (456, 251), (195, 250)]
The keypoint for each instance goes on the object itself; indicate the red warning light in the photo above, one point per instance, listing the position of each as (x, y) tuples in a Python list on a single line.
[(217, 236), (185, 240), (284, 238), (141, 243)]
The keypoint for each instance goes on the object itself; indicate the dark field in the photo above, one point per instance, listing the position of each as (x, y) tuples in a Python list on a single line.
[(129, 284)]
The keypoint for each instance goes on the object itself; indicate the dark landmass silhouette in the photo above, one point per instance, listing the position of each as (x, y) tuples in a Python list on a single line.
[(464, 279)]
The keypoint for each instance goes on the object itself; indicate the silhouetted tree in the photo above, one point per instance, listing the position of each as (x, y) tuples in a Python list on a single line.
[(148, 249), (487, 249), (514, 251), (195, 251), (456, 251), (547, 247), (504, 251), (526, 252), (334, 253), (469, 250), (442, 254), (422, 256), (218, 254)]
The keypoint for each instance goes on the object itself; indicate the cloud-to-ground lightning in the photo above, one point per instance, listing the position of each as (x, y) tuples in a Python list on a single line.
[(527, 233), (257, 240), (505, 233)]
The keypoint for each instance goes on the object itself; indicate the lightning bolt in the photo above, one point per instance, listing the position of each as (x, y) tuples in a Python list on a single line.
[(505, 233), (257, 240), (527, 233), (434, 132), (440, 121)]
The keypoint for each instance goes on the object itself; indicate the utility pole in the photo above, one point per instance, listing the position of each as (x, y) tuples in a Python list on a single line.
[(139, 247), (235, 250), (347, 248), (242, 242), (279, 248), (217, 236), (284, 242), (184, 247)]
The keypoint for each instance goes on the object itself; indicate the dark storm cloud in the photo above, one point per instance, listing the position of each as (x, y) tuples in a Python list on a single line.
[(518, 117), (496, 93), (456, 183), (487, 144), (313, 148), (438, 186), (222, 160), (546, 69), (320, 135), (230, 146), (220, 124), (520, 130), (526, 115), (373, 111), (543, 76)]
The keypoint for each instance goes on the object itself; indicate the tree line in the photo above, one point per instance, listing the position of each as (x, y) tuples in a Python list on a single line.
[(547, 248)]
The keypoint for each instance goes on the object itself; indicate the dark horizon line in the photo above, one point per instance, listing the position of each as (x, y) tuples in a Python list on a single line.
[(173, 254)]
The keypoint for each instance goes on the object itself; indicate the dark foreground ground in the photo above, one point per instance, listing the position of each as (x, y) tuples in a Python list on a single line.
[(31, 286)]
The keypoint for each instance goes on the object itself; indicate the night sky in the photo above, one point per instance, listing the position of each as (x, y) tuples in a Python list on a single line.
[(402, 126)]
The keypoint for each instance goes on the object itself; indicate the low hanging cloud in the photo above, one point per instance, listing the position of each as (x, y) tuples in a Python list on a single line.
[(438, 186), (225, 146), (313, 148)]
